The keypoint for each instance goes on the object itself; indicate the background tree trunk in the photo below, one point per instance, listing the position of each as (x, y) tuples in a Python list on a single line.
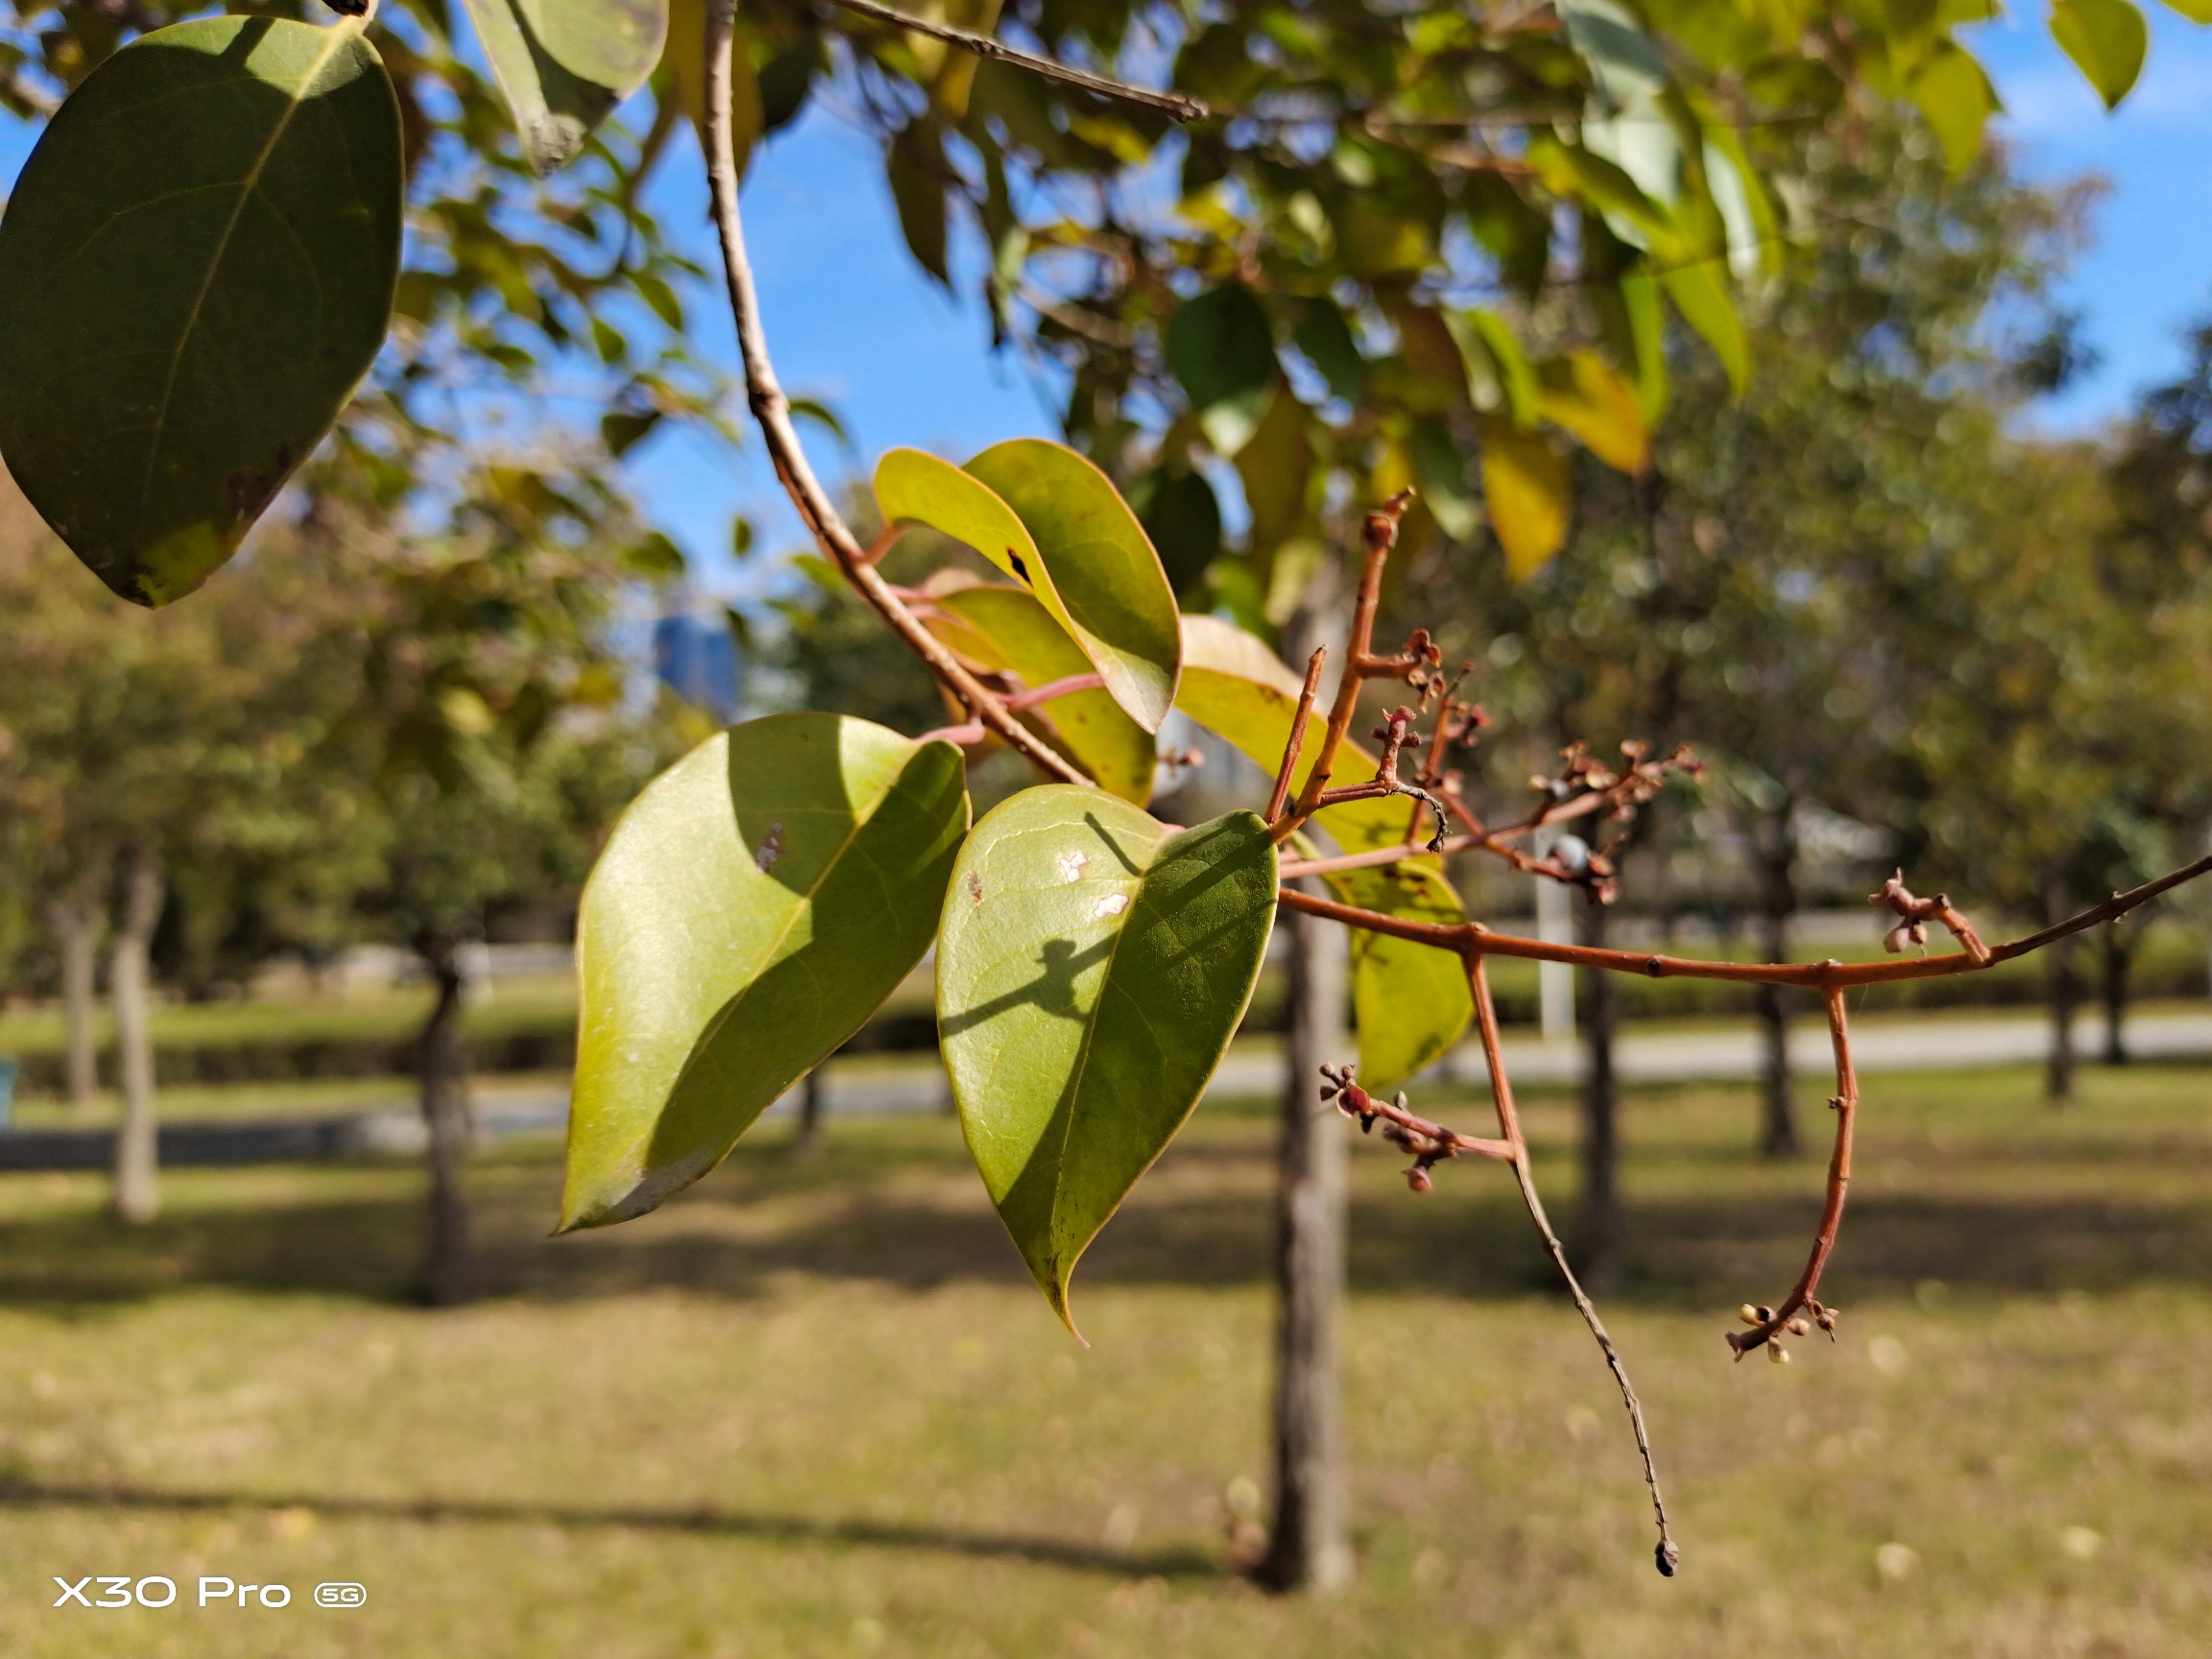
[(809, 1140), (138, 1186), (449, 1278), (1777, 848), (1310, 1546), (2063, 988), (2119, 957), (74, 918), (1601, 1231)]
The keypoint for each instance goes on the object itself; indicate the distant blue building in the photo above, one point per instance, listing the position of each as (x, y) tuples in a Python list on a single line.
[(696, 658)]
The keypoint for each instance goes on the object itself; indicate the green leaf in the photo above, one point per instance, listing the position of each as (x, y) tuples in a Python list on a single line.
[(1582, 393), (198, 267), (1274, 468), (1525, 485), (1440, 473), (1084, 556), (1221, 350), (1004, 629), (1181, 514), (1326, 339), (1499, 378), (2196, 11), (1092, 967), (917, 170), (1242, 693), (563, 64), (685, 58), (1409, 1001), (2106, 39), (1954, 92), (1700, 292), (1102, 564), (754, 906)]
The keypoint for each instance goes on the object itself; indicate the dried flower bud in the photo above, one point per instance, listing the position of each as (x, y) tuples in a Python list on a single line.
[(1764, 1312), (1897, 938), (1417, 1178), (1797, 1327), (1573, 853), (1747, 1313), (1777, 1355), (1826, 1319)]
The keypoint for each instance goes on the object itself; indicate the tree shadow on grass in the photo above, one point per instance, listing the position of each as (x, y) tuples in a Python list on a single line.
[(702, 1522), (1203, 1219)]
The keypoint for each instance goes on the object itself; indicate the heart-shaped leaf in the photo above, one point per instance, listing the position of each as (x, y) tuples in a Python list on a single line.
[(1092, 967), (754, 906), (195, 270), (1411, 1002), (1004, 629), (1241, 692), (563, 64), (1051, 520), (2106, 39)]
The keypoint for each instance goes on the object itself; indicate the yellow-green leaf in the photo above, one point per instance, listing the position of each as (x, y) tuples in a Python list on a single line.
[(1953, 92), (565, 64), (1005, 629), (1525, 485), (1091, 967), (1582, 394), (754, 906), (1409, 1001), (2106, 39), (1699, 291)]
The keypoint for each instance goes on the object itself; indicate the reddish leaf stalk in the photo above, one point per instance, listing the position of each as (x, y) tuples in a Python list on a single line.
[(1280, 795)]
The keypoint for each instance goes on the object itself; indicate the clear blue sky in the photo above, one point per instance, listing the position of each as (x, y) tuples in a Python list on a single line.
[(855, 324)]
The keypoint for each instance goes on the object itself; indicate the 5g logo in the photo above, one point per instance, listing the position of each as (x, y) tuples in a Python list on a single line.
[(340, 1595)]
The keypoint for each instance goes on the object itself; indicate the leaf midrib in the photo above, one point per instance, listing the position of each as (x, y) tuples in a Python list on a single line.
[(339, 35)]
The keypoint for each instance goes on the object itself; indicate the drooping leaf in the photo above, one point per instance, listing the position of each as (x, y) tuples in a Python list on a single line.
[(754, 906), (1005, 629), (1954, 92), (1104, 566), (1055, 523), (916, 166), (1409, 1001), (565, 64), (1326, 339), (1581, 393), (1242, 693), (1699, 291), (1526, 487), (1092, 967), (1500, 380), (685, 58), (2106, 39), (195, 270), (1182, 516), (1274, 469), (1221, 350)]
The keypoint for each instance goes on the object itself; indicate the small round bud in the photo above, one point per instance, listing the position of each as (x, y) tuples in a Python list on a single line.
[(1827, 1318), (1897, 938), (1573, 853), (1747, 1313), (1797, 1327), (1417, 1178), (1777, 1355)]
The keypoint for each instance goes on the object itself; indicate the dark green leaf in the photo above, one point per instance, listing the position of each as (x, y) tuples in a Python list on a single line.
[(1091, 969), (1182, 516), (1222, 351), (917, 170), (1326, 339), (753, 908), (196, 269)]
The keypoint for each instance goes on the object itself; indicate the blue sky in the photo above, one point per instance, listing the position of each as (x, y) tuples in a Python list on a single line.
[(854, 323)]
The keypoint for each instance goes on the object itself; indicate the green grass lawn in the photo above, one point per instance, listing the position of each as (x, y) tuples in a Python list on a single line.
[(814, 1408)]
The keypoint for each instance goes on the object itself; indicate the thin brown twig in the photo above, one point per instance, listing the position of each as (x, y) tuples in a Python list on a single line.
[(1471, 938), (973, 732), (772, 410), (1379, 534), (1280, 795), (1666, 1554), (1175, 105), (1767, 1323), (1430, 1143)]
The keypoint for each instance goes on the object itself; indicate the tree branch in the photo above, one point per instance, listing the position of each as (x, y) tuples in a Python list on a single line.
[(1173, 105), (1767, 1323), (1666, 1554), (772, 410)]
